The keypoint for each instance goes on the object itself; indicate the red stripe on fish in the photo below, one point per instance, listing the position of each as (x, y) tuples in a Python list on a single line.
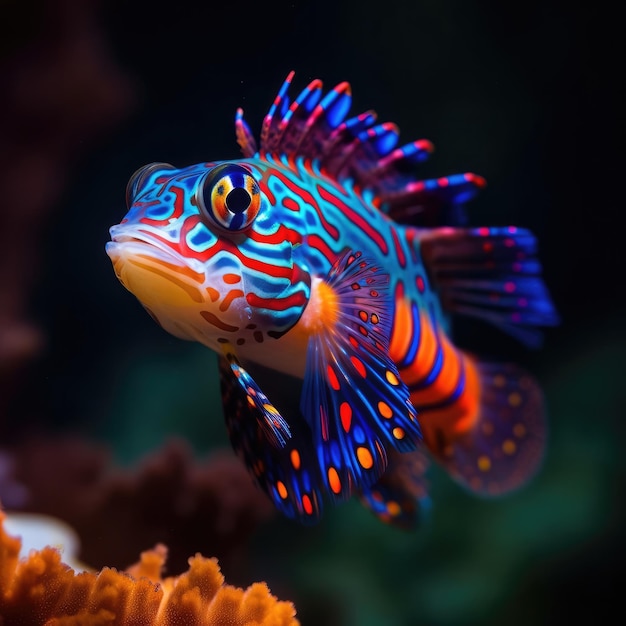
[(354, 217)]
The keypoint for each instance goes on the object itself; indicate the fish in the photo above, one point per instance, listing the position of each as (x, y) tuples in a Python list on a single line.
[(326, 275)]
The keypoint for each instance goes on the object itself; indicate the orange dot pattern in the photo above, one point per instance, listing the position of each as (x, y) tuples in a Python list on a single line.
[(505, 447)]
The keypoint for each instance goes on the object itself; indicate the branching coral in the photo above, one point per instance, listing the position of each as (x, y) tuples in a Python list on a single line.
[(207, 505), (41, 589)]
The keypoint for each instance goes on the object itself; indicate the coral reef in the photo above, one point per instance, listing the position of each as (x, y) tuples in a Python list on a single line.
[(191, 505), (41, 589)]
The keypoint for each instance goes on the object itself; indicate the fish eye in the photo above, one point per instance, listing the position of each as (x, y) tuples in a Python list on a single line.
[(140, 178), (229, 196)]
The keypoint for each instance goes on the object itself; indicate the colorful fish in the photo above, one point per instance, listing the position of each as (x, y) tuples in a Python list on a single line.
[(319, 266)]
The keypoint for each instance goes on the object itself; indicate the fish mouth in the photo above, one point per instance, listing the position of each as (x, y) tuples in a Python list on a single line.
[(125, 243), (136, 246), (155, 273)]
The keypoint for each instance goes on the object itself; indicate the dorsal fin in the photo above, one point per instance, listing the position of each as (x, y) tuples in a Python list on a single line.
[(316, 126), (491, 274)]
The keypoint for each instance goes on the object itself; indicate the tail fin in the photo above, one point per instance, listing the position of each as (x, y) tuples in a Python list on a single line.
[(505, 445)]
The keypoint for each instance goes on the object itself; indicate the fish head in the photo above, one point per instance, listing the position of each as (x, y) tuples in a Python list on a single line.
[(206, 252)]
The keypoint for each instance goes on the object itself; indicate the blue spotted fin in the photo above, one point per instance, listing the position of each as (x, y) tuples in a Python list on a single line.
[(287, 473), (400, 498), (491, 274), (505, 446), (316, 126), (353, 398)]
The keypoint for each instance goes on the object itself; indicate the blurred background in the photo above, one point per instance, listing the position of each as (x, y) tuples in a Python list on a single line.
[(96, 399)]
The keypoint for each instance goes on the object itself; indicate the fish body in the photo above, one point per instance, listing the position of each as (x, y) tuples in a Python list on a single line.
[(321, 257)]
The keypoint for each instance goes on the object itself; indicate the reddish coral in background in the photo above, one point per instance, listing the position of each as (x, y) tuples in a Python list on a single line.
[(208, 506)]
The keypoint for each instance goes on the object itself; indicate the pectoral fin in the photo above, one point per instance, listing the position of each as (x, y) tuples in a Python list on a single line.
[(353, 398)]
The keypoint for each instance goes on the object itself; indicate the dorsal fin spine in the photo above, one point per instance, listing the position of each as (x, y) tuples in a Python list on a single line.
[(245, 138), (269, 119), (315, 126)]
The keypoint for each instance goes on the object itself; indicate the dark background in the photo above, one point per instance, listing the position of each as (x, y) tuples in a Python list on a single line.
[(526, 94)]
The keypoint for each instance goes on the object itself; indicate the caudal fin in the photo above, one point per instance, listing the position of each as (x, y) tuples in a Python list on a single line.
[(504, 447)]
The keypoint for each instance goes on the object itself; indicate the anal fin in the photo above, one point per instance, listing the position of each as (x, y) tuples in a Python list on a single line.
[(400, 497)]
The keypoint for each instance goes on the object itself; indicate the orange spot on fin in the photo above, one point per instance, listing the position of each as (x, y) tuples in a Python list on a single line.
[(365, 457), (295, 459), (282, 490), (333, 480), (332, 377), (345, 413), (358, 366), (307, 504)]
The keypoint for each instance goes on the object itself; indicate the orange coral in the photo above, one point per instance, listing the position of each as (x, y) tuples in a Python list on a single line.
[(42, 590)]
